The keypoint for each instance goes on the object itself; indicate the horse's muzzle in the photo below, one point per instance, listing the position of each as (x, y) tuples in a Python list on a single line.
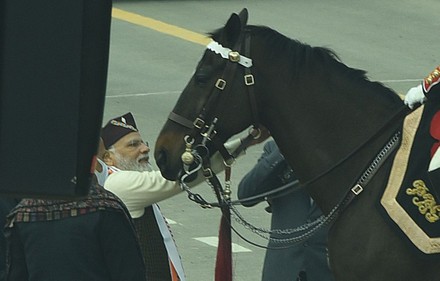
[(162, 161)]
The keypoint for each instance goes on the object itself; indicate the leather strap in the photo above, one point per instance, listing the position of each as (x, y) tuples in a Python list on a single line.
[(180, 120)]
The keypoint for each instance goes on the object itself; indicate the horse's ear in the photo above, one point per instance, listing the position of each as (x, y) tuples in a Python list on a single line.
[(232, 29), (243, 15)]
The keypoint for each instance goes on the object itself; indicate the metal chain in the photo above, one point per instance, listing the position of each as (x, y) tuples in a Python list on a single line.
[(304, 231), (307, 230)]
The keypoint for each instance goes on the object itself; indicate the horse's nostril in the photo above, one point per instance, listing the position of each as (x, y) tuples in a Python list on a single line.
[(161, 158)]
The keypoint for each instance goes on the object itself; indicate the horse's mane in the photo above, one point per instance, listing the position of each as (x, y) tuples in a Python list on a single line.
[(303, 56)]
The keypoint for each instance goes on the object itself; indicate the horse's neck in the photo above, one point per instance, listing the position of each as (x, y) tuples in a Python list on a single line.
[(315, 129)]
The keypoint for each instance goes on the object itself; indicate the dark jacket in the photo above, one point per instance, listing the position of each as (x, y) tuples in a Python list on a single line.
[(91, 239), (288, 211), (6, 205)]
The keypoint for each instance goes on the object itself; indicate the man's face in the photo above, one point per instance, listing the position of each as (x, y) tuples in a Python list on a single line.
[(131, 153)]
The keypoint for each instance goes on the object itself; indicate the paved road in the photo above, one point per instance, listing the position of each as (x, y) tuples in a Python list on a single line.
[(395, 41)]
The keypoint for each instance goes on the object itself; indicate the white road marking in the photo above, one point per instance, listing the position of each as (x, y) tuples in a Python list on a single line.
[(170, 221), (213, 241), (128, 95)]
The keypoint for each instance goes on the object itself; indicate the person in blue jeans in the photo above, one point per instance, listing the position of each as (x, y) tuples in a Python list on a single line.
[(306, 260)]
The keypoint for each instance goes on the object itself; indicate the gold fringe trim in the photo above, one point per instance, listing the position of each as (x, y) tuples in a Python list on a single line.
[(396, 212)]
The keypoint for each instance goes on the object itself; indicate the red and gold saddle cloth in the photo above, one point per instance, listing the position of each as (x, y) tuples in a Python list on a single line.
[(411, 197)]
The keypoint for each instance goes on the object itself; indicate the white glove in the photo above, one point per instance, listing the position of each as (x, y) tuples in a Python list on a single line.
[(415, 96)]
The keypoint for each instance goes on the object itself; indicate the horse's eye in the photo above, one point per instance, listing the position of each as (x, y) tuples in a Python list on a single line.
[(202, 75)]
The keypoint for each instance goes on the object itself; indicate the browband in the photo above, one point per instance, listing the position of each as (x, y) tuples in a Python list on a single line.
[(225, 53)]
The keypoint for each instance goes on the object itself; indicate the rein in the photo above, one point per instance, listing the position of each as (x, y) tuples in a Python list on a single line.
[(296, 185), (306, 230)]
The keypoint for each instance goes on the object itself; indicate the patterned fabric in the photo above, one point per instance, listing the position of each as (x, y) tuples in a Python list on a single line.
[(33, 210), (153, 247)]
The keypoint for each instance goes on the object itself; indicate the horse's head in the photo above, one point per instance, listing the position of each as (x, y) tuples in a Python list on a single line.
[(213, 105)]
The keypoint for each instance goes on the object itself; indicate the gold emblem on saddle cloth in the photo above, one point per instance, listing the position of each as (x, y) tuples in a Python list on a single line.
[(425, 201)]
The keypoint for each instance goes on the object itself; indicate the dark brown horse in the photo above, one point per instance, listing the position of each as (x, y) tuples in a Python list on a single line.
[(329, 121)]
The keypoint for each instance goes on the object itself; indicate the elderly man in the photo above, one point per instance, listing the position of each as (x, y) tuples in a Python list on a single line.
[(132, 179)]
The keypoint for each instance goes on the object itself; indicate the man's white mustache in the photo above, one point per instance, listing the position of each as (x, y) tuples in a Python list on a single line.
[(144, 158)]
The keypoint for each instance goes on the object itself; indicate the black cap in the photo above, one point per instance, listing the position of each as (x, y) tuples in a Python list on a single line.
[(117, 128)]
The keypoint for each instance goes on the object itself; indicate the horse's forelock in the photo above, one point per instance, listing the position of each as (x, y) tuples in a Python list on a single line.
[(216, 34)]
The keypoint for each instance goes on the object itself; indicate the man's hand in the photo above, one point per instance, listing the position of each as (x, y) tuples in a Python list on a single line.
[(415, 96)]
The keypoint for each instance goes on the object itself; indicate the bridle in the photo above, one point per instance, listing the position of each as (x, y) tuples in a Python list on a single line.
[(196, 156), (203, 125)]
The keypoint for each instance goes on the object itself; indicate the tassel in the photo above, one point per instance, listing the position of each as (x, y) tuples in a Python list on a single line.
[(223, 266)]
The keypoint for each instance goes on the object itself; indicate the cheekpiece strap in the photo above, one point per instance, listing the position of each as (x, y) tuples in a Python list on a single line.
[(180, 120), (228, 54)]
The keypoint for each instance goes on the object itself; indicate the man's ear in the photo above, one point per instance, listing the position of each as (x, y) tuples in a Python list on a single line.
[(109, 158), (101, 149)]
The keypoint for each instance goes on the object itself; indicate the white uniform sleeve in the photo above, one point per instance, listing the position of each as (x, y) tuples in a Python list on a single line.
[(414, 96), (141, 189)]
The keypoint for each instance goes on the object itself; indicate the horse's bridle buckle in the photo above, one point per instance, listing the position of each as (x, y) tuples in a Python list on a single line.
[(198, 123), (207, 173), (249, 80), (357, 189), (220, 84)]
